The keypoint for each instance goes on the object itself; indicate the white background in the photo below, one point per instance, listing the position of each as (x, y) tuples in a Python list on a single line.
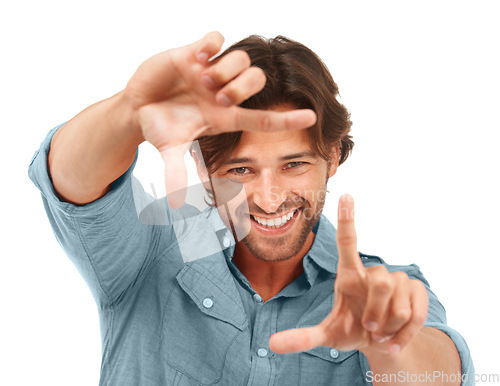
[(421, 79)]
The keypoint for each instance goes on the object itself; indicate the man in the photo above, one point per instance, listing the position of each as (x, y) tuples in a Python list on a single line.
[(283, 298)]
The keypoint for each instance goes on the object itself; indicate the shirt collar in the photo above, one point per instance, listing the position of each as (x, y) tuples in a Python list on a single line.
[(323, 252)]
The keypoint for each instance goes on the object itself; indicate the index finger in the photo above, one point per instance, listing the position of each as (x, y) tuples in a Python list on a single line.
[(346, 234)]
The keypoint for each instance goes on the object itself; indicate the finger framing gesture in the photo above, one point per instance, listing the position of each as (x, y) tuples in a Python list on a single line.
[(373, 308)]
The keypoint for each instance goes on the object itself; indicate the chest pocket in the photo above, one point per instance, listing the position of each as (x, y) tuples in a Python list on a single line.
[(326, 365), (202, 326)]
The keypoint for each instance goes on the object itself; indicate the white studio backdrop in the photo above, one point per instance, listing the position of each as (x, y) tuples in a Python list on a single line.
[(421, 81)]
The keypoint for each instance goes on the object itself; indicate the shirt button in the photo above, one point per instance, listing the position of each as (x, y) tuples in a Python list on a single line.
[(226, 241), (257, 298), (334, 353), (208, 303), (262, 352)]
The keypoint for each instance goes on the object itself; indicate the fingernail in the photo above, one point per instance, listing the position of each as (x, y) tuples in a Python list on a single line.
[(207, 80), (223, 100), (347, 198), (371, 326), (395, 348), (380, 338), (202, 57)]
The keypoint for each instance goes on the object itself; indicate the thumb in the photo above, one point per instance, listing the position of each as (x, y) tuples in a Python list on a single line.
[(176, 180), (296, 340)]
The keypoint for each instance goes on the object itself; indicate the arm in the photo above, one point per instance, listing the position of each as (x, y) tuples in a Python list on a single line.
[(92, 150), (430, 354)]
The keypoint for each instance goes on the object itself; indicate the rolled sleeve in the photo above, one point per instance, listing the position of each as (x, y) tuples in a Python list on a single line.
[(111, 248)]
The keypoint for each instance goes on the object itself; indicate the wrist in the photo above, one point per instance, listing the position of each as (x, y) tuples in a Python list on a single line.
[(124, 118)]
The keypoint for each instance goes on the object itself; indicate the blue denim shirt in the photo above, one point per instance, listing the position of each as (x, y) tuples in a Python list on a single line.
[(175, 310)]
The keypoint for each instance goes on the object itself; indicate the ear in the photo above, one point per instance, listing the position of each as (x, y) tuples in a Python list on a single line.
[(334, 159)]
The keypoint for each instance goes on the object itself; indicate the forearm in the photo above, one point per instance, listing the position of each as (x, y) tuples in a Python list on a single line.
[(430, 352), (93, 149)]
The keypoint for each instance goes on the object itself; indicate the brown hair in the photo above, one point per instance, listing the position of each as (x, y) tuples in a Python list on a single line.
[(295, 75)]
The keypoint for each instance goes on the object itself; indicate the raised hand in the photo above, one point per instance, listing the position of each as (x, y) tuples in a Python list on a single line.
[(180, 94), (373, 309)]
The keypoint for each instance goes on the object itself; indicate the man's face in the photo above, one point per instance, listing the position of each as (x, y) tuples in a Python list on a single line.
[(285, 185)]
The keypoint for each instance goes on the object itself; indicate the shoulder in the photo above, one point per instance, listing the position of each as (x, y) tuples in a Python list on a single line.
[(412, 270)]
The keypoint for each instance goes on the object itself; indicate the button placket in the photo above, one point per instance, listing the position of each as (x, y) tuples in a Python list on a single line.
[(226, 242)]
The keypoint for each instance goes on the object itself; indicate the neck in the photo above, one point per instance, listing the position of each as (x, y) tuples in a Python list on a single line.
[(268, 278)]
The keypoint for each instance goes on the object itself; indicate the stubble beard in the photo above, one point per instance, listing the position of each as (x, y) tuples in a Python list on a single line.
[(286, 247)]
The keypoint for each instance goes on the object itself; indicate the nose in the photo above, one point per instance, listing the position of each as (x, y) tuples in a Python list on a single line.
[(268, 194)]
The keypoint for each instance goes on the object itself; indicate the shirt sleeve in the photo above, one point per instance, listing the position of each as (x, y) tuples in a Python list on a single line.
[(106, 240), (436, 317)]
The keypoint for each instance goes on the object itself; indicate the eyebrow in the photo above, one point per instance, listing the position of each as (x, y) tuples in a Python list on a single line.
[(245, 160), (304, 154)]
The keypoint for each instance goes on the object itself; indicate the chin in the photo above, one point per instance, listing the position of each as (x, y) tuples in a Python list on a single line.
[(280, 249)]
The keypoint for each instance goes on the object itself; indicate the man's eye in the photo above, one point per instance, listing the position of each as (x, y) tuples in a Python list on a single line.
[(294, 164), (242, 170)]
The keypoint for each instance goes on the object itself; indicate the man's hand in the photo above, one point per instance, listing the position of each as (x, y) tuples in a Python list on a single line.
[(374, 310), (180, 94)]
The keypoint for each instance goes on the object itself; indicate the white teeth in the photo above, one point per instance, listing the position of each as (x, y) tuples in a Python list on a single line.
[(274, 222)]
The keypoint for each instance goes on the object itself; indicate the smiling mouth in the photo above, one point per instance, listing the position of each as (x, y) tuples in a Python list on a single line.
[(274, 223)]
